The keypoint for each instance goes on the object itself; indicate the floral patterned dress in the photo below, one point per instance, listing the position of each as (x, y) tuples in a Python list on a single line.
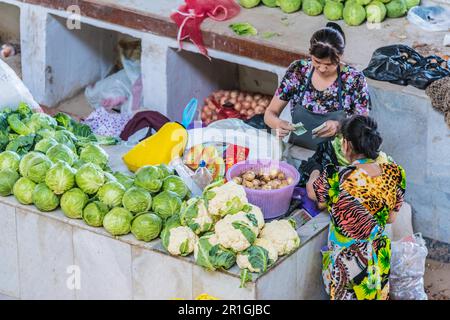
[(356, 263), (354, 91)]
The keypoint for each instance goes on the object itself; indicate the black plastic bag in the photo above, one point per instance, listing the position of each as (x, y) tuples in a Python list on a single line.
[(403, 65), (257, 122)]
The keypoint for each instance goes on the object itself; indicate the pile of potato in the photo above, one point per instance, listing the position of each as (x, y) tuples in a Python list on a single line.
[(263, 179), (246, 103)]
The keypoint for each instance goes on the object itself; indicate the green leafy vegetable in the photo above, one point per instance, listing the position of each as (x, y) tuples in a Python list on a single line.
[(243, 29)]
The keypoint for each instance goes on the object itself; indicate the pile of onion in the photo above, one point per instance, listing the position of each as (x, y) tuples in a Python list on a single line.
[(246, 103)]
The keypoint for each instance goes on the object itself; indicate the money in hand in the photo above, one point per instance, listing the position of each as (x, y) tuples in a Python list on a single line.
[(299, 128)]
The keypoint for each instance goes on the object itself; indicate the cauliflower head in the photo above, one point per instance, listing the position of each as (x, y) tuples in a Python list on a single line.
[(255, 259), (257, 213), (226, 199), (282, 235), (209, 254), (236, 232), (194, 215), (182, 241), (268, 245)]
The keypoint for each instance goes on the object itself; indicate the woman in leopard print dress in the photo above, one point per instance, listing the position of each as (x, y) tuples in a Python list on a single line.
[(361, 198)]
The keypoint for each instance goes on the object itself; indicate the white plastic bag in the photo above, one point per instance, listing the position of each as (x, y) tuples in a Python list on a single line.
[(12, 89), (408, 268), (430, 18), (122, 90)]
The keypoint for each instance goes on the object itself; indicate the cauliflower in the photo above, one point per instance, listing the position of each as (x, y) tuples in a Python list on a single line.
[(194, 215), (236, 232), (225, 199), (255, 259), (257, 213), (182, 241), (209, 254), (282, 234), (268, 245)]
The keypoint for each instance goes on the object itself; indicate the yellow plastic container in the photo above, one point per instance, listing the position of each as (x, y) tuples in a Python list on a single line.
[(166, 144)]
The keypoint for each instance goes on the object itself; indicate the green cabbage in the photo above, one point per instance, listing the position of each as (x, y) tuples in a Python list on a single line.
[(137, 200), (111, 194), (20, 144), (290, 6), (44, 199), (363, 2), (270, 3), (396, 9), (175, 184), (9, 160), (18, 126), (333, 10), (109, 177), (73, 203), (312, 7), (61, 152), (249, 3), (90, 178), (40, 121), (354, 13), (124, 179), (376, 12), (8, 178), (166, 204), (118, 221), (94, 154), (34, 165), (166, 170), (60, 177), (411, 3), (45, 144), (94, 213), (146, 227), (149, 178), (23, 190)]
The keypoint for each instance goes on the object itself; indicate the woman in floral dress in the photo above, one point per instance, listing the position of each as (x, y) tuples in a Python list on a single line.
[(361, 198)]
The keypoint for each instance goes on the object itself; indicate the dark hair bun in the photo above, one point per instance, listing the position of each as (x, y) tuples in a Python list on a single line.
[(336, 27), (362, 132)]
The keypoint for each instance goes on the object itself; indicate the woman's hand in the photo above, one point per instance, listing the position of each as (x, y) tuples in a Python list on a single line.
[(284, 128), (331, 128)]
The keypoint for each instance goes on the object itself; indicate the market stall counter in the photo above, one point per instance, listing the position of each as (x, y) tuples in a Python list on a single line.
[(46, 255)]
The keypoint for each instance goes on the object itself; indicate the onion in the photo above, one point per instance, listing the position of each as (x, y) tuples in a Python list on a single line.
[(211, 106), (238, 106), (204, 116), (243, 112), (234, 94), (250, 112), (257, 96), (207, 111), (259, 110), (248, 98), (223, 100), (246, 105), (214, 117), (241, 97), (254, 105), (233, 100)]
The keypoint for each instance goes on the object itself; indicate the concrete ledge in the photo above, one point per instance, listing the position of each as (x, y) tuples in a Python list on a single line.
[(43, 249)]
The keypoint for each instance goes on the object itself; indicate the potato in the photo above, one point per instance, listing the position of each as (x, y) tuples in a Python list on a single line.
[(249, 176), (237, 180), (256, 182), (247, 184), (266, 177), (266, 187), (281, 176), (290, 180)]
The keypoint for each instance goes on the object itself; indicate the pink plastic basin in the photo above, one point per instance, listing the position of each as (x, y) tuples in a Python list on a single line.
[(273, 203)]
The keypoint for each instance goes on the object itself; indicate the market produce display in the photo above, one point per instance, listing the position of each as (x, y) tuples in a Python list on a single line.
[(60, 169), (223, 104), (353, 12)]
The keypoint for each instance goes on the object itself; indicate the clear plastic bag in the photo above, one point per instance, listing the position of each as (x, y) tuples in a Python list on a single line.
[(430, 18), (13, 91), (121, 91), (408, 268)]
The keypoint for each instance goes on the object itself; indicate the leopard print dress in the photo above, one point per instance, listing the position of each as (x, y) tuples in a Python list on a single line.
[(356, 263)]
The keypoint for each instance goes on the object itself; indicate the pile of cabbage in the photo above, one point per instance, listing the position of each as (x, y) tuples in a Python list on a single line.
[(221, 228), (55, 162), (353, 12)]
